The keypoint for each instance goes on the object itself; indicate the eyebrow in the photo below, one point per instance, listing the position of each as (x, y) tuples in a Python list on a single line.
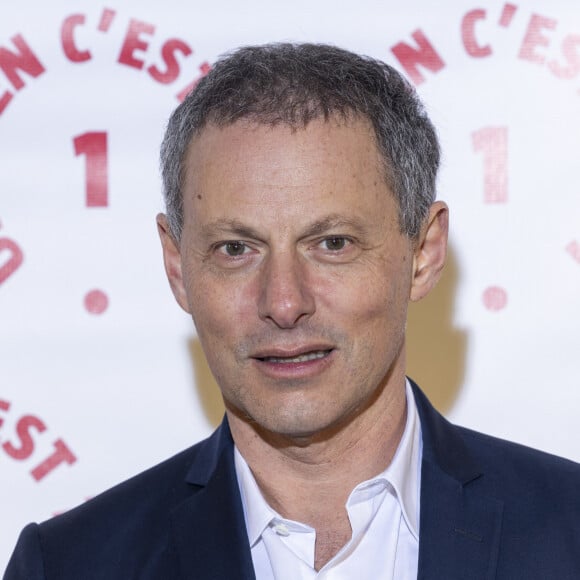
[(235, 227), (334, 221), (231, 226)]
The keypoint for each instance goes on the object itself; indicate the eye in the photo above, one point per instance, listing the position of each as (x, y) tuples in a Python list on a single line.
[(335, 243), (234, 249)]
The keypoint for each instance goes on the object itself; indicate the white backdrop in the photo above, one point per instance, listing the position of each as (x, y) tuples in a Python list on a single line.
[(100, 372)]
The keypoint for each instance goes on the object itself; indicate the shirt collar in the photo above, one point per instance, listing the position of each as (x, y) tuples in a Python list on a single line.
[(258, 514), (403, 474), (404, 471)]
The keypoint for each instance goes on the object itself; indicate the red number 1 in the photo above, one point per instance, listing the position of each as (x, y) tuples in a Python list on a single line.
[(493, 143), (94, 146)]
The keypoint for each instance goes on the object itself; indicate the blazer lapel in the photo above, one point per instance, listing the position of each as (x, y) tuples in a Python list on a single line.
[(460, 524), (209, 529)]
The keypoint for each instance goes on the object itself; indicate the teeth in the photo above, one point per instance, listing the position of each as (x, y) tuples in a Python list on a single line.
[(299, 358)]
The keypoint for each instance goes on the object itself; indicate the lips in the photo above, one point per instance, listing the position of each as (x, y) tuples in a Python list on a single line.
[(299, 358)]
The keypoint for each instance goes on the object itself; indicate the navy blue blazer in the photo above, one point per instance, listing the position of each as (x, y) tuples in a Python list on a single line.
[(490, 509)]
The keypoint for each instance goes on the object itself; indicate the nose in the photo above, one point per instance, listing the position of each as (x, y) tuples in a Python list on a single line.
[(286, 296)]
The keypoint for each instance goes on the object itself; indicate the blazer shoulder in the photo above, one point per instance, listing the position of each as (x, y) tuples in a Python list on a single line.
[(496, 451), (156, 488), (529, 481), (122, 529), (466, 454), (519, 473)]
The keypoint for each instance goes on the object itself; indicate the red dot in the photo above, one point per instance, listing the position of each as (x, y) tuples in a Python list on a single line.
[(96, 302), (495, 298)]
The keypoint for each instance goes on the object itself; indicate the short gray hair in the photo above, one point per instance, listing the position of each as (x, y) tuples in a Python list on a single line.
[(293, 84)]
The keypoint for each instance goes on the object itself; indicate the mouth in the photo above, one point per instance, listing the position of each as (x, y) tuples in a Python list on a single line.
[(297, 358)]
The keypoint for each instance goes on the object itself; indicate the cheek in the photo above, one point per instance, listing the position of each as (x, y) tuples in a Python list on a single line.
[(375, 319), (220, 308), (364, 294)]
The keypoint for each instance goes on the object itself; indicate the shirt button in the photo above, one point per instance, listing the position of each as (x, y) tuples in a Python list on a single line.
[(281, 529)]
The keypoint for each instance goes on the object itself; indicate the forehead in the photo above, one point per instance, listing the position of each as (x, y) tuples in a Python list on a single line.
[(333, 165), (238, 143)]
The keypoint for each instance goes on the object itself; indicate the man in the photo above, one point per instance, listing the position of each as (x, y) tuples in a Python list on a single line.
[(300, 185)]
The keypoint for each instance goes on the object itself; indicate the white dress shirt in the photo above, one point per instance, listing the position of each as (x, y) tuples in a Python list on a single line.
[(383, 514)]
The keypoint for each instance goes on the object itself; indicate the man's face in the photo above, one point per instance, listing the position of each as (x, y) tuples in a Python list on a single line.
[(294, 270)]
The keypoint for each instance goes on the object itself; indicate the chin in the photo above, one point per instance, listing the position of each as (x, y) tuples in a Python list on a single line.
[(296, 426)]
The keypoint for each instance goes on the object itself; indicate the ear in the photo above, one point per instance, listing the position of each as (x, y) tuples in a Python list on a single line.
[(172, 261), (430, 251)]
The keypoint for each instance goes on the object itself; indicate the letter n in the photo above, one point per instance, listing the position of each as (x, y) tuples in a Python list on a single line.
[(23, 60), (411, 57)]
